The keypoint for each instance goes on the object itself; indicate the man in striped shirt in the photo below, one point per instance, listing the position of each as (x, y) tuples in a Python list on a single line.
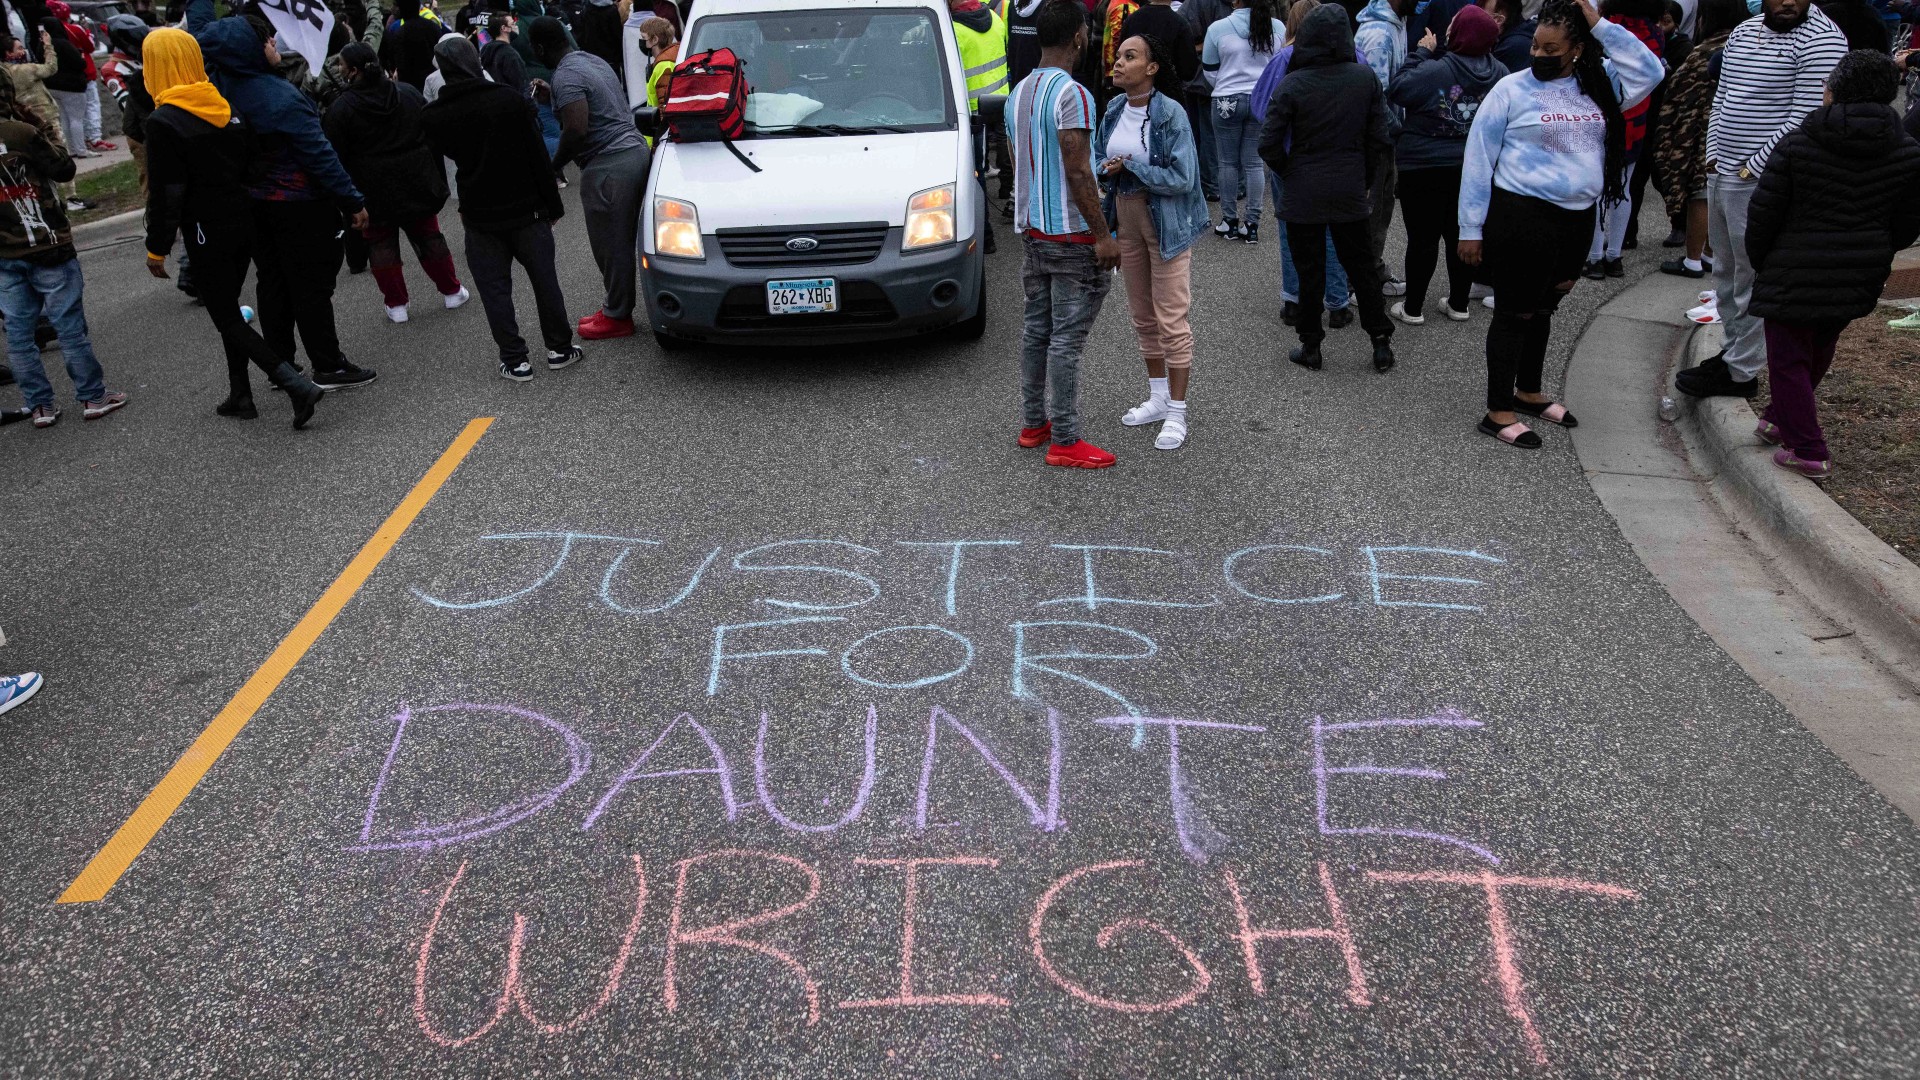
[(1772, 74), (1069, 250)]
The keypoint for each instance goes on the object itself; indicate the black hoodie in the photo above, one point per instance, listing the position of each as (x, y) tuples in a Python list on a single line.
[(1327, 130), (375, 128), (1834, 204), (492, 135)]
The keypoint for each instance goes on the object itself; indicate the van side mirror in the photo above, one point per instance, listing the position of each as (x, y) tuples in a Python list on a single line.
[(647, 121)]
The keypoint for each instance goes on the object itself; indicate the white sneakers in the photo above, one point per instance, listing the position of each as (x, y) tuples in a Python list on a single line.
[(451, 300), (1456, 316), (1399, 311)]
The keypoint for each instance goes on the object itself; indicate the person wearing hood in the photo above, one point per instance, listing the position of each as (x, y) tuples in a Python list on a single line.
[(1441, 94), (122, 74), (598, 31), (375, 127), (1327, 135), (596, 129), (198, 153), (1546, 146), (298, 190), (39, 270), (508, 204), (1834, 205), (1380, 34)]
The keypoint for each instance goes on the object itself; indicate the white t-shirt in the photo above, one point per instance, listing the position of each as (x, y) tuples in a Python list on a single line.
[(1129, 137)]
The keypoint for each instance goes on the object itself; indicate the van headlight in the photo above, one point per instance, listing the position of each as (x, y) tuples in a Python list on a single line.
[(676, 229), (929, 219)]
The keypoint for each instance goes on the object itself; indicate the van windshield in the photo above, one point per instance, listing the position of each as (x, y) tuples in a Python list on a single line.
[(823, 73)]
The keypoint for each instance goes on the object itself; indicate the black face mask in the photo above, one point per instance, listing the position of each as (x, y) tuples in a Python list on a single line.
[(1549, 68)]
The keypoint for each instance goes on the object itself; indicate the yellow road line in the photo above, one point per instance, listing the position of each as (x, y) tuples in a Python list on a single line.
[(126, 845)]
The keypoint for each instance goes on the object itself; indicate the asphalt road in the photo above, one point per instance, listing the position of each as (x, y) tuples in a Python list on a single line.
[(1583, 842)]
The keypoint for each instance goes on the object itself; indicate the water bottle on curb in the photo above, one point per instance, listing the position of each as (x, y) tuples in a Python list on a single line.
[(1669, 409)]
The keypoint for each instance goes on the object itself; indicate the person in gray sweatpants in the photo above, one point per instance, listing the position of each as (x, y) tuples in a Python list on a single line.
[(597, 131)]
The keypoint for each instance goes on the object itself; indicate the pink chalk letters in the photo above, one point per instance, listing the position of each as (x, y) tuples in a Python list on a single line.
[(1109, 881)]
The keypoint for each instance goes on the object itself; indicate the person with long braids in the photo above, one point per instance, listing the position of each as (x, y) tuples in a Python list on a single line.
[(1546, 146), (1154, 205), (197, 157)]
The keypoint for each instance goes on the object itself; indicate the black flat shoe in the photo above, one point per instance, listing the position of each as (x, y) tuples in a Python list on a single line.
[(1514, 434), (238, 406), (1679, 268), (1593, 272), (1307, 356), (1383, 354)]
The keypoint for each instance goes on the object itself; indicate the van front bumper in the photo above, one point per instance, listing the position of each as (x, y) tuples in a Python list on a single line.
[(891, 295)]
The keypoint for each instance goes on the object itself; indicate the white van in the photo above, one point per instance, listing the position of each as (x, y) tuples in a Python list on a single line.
[(864, 221)]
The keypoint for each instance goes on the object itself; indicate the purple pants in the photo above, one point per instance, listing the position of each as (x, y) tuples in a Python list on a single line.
[(1798, 356)]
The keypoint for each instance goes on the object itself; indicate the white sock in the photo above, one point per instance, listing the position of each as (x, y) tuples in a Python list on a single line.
[(1177, 407), (1158, 388), (1693, 264)]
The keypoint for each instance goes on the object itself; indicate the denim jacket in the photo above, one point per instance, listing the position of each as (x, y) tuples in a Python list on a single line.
[(1171, 178)]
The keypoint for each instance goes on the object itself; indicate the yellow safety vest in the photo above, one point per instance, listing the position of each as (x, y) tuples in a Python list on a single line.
[(984, 56)]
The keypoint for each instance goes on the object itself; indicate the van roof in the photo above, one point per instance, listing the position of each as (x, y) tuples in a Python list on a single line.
[(736, 7)]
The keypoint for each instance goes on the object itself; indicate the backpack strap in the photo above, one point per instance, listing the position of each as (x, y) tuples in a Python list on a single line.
[(735, 151)]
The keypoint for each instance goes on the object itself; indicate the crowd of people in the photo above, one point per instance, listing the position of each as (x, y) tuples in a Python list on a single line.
[(1517, 142), (1517, 138), (255, 161)]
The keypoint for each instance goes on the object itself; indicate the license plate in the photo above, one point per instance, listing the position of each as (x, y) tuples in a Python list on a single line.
[(808, 296)]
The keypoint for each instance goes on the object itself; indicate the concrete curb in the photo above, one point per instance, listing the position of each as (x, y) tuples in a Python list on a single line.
[(110, 230), (1871, 586)]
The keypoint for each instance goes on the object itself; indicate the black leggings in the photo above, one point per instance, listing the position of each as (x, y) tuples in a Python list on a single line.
[(219, 271), (1429, 202), (1531, 249)]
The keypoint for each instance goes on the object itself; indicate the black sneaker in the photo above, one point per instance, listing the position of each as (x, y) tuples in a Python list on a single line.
[(1289, 313), (1251, 234), (556, 361), (520, 372), (346, 377), (1614, 268), (1340, 319), (1226, 228), (1714, 380), (1594, 272)]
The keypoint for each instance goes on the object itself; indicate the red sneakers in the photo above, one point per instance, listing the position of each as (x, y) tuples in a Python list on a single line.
[(597, 327), (1080, 454), (1031, 437)]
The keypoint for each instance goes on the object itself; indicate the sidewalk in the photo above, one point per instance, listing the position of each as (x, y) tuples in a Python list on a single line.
[(84, 165)]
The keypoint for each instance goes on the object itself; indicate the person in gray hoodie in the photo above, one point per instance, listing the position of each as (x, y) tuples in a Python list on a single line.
[(1441, 95)]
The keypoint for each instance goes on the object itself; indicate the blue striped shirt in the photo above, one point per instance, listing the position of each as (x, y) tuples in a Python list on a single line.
[(1046, 103)]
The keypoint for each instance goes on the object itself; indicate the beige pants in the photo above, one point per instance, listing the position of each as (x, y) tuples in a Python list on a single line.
[(1159, 291)]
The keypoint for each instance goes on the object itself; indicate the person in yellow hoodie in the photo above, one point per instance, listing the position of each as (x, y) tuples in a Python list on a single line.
[(197, 156)]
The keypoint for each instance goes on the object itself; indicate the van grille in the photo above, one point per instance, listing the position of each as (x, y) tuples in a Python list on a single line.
[(839, 245)]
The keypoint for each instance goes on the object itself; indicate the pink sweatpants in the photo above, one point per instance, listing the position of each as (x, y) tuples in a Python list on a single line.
[(1159, 291)]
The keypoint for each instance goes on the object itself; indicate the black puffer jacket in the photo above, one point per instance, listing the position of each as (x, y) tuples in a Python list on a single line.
[(1327, 128), (1837, 200), (375, 128)]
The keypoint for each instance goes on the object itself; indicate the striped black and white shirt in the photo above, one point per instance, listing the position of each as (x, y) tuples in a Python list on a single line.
[(1769, 82)]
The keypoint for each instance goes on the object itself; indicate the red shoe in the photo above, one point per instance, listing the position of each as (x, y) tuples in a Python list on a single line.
[(597, 327), (1031, 437), (1079, 455), (102, 145)]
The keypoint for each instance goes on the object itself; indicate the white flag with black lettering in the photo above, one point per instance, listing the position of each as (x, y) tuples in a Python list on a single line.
[(302, 26)]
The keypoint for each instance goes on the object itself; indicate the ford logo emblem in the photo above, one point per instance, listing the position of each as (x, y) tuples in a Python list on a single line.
[(802, 243)]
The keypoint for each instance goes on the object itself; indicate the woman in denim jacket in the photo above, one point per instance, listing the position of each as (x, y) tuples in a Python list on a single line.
[(1154, 206)]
